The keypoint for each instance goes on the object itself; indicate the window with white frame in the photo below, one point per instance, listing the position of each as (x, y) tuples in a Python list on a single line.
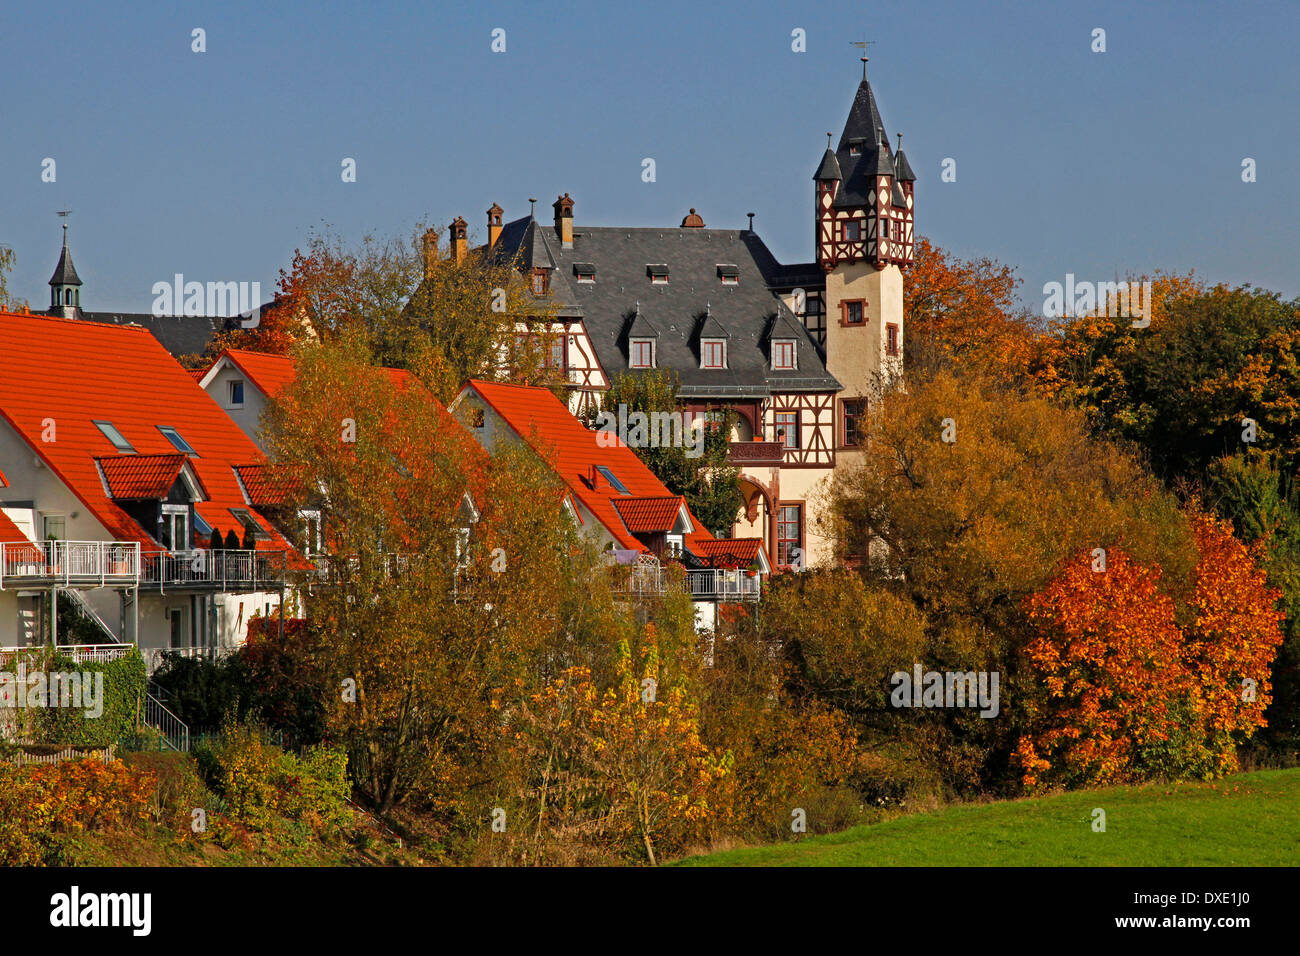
[(783, 355)]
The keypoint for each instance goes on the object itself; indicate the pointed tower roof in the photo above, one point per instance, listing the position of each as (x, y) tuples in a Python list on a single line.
[(830, 167), (864, 120), (65, 273), (903, 169)]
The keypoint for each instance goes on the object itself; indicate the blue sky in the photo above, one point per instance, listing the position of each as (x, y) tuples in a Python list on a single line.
[(217, 164)]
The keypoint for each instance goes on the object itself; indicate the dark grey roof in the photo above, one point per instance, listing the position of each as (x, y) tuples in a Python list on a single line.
[(829, 168), (866, 129), (898, 198), (711, 328), (65, 273), (640, 327), (679, 309), (903, 169)]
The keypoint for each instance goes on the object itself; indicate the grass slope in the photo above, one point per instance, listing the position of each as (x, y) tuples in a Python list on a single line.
[(1250, 819)]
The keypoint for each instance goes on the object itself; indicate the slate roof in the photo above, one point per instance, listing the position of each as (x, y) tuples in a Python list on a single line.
[(140, 477), (865, 127), (65, 273), (677, 309), (122, 375)]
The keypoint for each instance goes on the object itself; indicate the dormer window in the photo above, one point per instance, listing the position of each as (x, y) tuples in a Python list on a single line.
[(658, 274), (855, 147), (115, 436), (541, 281), (729, 274), (784, 356), (585, 272), (641, 353), (713, 353)]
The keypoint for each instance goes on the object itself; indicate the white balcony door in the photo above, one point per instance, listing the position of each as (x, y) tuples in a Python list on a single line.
[(175, 530)]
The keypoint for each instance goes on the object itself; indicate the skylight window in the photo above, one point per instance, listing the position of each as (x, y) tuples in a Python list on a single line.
[(250, 524), (179, 443), (613, 482), (115, 436), (658, 274)]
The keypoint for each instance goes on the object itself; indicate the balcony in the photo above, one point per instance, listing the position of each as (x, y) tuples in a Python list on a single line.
[(213, 570), (81, 653), (755, 453), (724, 586), (720, 585), (69, 564)]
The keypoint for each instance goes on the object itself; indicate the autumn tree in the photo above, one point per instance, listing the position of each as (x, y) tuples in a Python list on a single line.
[(423, 611)]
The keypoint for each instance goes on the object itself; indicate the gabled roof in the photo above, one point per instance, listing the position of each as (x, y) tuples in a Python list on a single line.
[(543, 421), (271, 373), (741, 552), (268, 485), (141, 477), (653, 515), (125, 376)]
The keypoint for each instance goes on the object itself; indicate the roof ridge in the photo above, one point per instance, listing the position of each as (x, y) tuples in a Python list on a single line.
[(89, 322)]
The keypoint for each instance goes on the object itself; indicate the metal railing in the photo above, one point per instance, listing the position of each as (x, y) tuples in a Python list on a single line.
[(90, 563), (81, 653), (725, 585), (175, 732), (155, 657), (217, 569)]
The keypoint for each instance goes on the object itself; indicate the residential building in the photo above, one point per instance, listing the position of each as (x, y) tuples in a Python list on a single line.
[(615, 499), (116, 470)]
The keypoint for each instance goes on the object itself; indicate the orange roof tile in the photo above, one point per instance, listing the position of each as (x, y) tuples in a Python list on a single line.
[(10, 533), (123, 375), (648, 515), (543, 421), (267, 484), (271, 373), (726, 552), (137, 477)]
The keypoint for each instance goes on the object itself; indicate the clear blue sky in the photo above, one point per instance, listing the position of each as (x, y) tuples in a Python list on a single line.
[(217, 164)]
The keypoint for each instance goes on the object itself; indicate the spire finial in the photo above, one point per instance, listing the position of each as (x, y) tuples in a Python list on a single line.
[(532, 205), (65, 213), (862, 45), (829, 137), (900, 141), (751, 221)]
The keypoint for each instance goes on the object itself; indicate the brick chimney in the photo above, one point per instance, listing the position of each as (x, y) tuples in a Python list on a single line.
[(459, 243), (494, 225), (563, 206), (429, 246)]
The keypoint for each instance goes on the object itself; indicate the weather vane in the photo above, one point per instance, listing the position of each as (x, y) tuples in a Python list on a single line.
[(862, 45)]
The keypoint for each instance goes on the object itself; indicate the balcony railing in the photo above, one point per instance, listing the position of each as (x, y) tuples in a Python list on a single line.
[(218, 570), (756, 453), (81, 653), (707, 584), (724, 586), (69, 563)]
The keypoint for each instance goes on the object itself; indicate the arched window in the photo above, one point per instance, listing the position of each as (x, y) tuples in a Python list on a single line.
[(67, 297)]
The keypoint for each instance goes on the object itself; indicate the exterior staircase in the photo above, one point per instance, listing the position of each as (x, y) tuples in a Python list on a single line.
[(175, 732)]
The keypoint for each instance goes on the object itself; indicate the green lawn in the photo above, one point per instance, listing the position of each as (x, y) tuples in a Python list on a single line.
[(1250, 819)]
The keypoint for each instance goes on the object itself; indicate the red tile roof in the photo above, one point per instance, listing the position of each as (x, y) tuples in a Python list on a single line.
[(727, 552), (271, 373), (141, 477), (648, 515), (267, 484), (72, 372), (10, 532), (542, 420)]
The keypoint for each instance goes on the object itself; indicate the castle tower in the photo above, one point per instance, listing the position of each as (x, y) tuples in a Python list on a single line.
[(864, 242), (65, 284)]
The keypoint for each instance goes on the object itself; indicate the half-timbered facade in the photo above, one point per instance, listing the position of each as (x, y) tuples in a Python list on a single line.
[(797, 351)]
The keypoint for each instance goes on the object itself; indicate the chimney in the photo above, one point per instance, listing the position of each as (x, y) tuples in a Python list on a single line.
[(459, 244), (494, 225), (596, 479), (563, 206), (429, 246)]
